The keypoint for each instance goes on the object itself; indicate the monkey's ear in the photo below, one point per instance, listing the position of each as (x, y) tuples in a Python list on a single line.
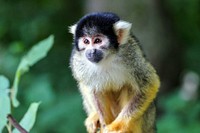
[(72, 29), (122, 30)]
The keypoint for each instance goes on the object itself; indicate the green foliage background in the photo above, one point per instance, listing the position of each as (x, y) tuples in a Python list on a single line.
[(22, 24), (182, 116), (25, 22)]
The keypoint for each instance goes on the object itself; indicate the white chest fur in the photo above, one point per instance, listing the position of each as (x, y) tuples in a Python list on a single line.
[(104, 75)]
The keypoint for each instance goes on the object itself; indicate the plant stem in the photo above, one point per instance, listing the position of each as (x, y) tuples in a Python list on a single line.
[(9, 127)]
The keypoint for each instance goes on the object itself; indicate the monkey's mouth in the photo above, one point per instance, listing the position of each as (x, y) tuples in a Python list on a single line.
[(94, 55)]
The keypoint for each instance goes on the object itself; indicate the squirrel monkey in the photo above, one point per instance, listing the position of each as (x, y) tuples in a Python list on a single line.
[(117, 83)]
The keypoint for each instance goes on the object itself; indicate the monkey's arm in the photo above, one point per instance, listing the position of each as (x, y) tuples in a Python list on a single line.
[(92, 121), (135, 108)]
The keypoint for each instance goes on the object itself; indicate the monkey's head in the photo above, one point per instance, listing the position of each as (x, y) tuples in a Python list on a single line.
[(98, 35)]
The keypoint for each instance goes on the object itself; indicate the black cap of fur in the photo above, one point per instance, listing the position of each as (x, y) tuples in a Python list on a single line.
[(96, 23)]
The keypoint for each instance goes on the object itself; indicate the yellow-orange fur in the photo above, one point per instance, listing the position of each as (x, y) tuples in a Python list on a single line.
[(114, 101)]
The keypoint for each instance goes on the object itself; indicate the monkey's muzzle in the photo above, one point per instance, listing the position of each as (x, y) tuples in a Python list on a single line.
[(94, 55)]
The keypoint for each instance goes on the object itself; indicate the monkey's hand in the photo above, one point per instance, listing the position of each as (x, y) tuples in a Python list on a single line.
[(92, 123), (118, 126)]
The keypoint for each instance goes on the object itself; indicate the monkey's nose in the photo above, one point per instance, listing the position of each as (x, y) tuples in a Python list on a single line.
[(90, 53), (93, 51), (94, 55)]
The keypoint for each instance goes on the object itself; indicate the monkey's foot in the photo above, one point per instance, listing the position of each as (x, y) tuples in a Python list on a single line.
[(92, 123)]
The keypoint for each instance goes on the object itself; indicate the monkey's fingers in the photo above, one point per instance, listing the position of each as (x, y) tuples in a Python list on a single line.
[(92, 123), (118, 126)]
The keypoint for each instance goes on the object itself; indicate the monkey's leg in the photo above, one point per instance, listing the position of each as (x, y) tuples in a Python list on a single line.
[(131, 114)]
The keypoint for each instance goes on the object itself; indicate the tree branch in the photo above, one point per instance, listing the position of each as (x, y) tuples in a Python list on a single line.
[(12, 120)]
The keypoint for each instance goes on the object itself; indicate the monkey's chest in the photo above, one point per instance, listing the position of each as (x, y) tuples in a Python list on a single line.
[(113, 102), (103, 76)]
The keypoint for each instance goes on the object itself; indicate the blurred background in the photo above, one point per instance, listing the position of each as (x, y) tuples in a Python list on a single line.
[(169, 31)]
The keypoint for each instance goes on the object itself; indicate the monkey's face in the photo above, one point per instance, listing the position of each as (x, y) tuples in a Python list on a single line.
[(94, 47), (98, 40), (97, 36)]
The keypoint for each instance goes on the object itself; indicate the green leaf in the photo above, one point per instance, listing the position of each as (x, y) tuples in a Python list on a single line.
[(4, 101), (38, 52), (4, 83), (29, 118)]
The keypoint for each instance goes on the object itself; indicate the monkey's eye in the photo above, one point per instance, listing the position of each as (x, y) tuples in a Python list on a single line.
[(86, 41), (97, 40)]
